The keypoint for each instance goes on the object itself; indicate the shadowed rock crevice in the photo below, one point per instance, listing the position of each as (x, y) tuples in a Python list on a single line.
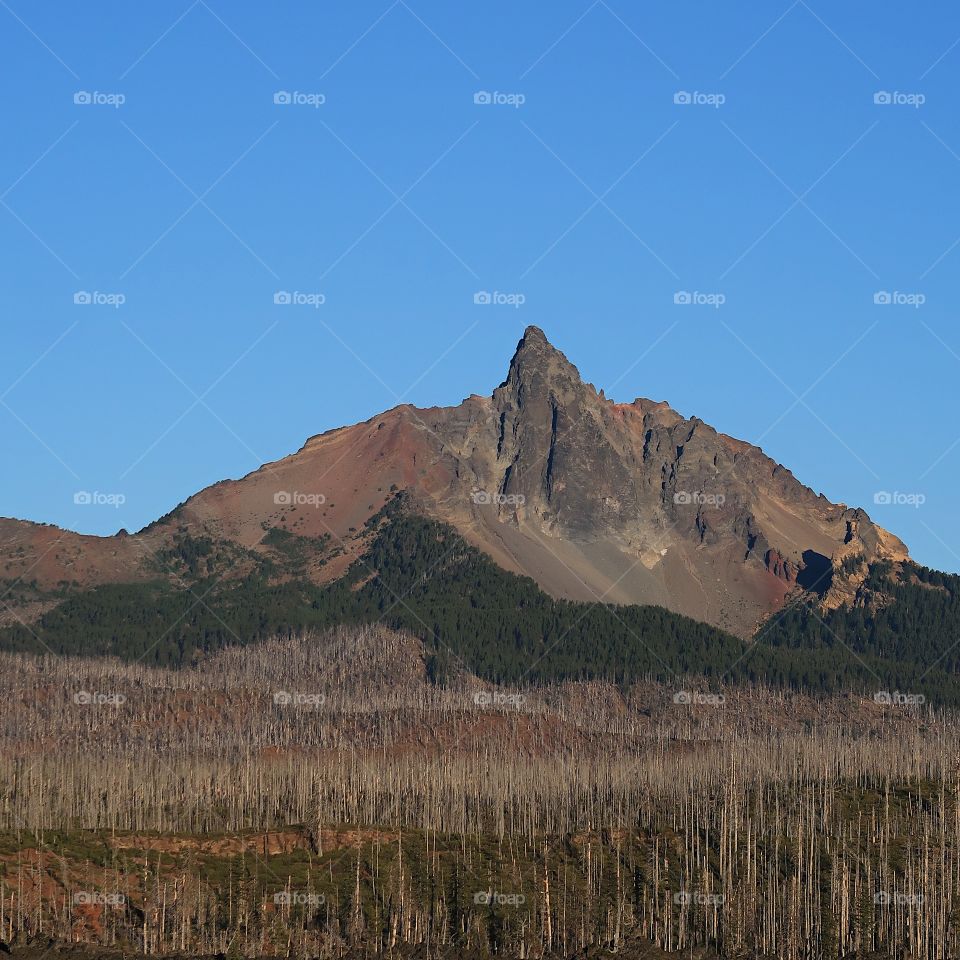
[(816, 574)]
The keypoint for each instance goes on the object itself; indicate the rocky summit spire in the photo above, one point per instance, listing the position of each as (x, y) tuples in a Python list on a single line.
[(549, 431), (539, 370)]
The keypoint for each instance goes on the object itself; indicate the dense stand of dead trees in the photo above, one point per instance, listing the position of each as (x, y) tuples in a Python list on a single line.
[(768, 823)]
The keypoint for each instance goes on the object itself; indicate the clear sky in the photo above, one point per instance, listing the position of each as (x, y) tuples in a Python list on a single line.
[(586, 197)]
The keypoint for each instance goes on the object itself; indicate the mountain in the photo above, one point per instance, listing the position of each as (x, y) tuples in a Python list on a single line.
[(595, 501)]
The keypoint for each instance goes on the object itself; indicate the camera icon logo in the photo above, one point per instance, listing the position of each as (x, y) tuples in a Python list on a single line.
[(282, 498), (682, 297), (82, 97), (282, 97), (682, 97), (882, 97), (282, 297), (482, 97)]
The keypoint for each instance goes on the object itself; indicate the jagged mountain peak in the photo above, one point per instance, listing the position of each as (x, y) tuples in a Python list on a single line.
[(538, 368), (595, 500)]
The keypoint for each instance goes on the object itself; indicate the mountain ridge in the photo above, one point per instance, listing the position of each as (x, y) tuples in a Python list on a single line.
[(595, 500)]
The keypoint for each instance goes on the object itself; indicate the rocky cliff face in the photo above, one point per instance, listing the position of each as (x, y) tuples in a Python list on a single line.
[(596, 500), (632, 503)]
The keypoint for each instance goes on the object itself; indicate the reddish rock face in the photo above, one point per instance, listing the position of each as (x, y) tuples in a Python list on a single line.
[(780, 567), (595, 500)]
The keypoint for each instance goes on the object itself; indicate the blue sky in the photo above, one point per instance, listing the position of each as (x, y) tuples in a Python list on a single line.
[(583, 189)]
